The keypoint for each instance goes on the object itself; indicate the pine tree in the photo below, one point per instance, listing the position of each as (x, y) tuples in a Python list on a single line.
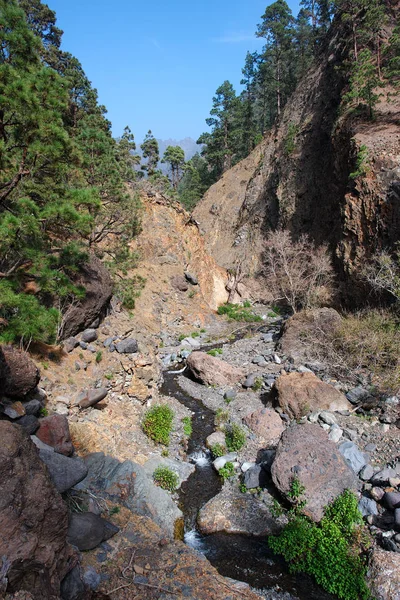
[(277, 28), (125, 155), (246, 107), (195, 181), (150, 151), (175, 157), (392, 55)]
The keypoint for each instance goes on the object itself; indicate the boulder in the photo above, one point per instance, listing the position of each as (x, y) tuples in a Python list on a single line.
[(13, 410), (353, 456), (65, 472), (87, 530), (129, 481), (301, 393), (231, 511), (18, 373), (218, 437), (70, 344), (266, 424), (30, 423), (91, 397), (191, 278), (307, 323), (97, 282), (305, 453), (384, 574), (182, 469), (179, 283), (33, 407), (89, 335), (33, 519), (213, 371), (128, 346), (54, 431), (255, 477)]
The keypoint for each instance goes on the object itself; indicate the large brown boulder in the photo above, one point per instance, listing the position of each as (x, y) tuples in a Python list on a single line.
[(305, 453), (18, 373), (301, 393), (266, 424), (384, 575), (303, 327), (33, 519), (213, 371), (54, 431), (98, 285)]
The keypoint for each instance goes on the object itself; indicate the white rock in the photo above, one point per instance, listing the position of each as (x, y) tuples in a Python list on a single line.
[(335, 433), (246, 466)]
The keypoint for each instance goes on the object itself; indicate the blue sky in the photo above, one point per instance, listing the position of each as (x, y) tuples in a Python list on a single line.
[(157, 64)]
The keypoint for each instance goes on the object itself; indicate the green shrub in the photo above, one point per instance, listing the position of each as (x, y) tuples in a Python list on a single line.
[(99, 356), (195, 334), (257, 384), (235, 438), (362, 163), (238, 313), (166, 478), (187, 426), (227, 471), (215, 351), (290, 140), (43, 412), (328, 550), (182, 337), (218, 450), (157, 423), (221, 417)]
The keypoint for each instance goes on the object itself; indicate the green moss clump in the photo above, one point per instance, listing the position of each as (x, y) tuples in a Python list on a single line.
[(218, 450), (235, 438), (227, 471), (157, 423), (187, 426)]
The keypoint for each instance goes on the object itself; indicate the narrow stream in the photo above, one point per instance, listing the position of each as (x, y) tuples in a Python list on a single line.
[(240, 557)]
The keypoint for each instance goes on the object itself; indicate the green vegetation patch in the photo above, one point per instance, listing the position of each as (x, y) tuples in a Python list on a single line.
[(157, 423), (166, 478), (329, 550), (187, 426), (227, 471), (235, 438), (218, 450), (215, 352), (237, 312)]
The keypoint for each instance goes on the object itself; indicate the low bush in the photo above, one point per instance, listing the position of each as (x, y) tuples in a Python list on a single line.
[(235, 438), (218, 450), (166, 478), (227, 471), (329, 550), (187, 426), (157, 423), (215, 352), (238, 313)]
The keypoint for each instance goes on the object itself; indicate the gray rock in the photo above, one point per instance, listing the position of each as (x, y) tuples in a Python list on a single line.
[(33, 407), (107, 342), (41, 445), (327, 417), (111, 478), (392, 401), (246, 466), (303, 369), (267, 337), (397, 519), (92, 348), (357, 395), (277, 359), (65, 472), (230, 394), (383, 476), (353, 456), (89, 335), (182, 469), (128, 346), (70, 344), (250, 380), (377, 493), (61, 409), (83, 345), (335, 433), (87, 530), (222, 460), (258, 359), (255, 477), (366, 473), (30, 423), (193, 342), (91, 578), (392, 500), (72, 586), (367, 507), (185, 353), (191, 278)]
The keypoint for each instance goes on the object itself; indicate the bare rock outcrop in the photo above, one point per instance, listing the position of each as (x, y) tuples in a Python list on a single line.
[(301, 393), (305, 453), (213, 371), (33, 519), (98, 285), (18, 373)]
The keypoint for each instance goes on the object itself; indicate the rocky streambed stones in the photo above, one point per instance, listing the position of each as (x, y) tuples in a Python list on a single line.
[(305, 453)]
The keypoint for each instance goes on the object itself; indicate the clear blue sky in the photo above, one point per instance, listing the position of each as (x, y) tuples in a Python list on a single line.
[(157, 64)]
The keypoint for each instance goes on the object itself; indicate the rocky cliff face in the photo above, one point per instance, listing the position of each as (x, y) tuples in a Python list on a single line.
[(300, 177)]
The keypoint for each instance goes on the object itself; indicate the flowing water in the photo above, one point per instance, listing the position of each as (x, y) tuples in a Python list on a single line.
[(240, 557)]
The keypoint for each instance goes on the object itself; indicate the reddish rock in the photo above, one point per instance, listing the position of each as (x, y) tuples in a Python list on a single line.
[(33, 519), (213, 371), (18, 373), (54, 431), (266, 424), (384, 575), (302, 393), (306, 453), (179, 283)]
